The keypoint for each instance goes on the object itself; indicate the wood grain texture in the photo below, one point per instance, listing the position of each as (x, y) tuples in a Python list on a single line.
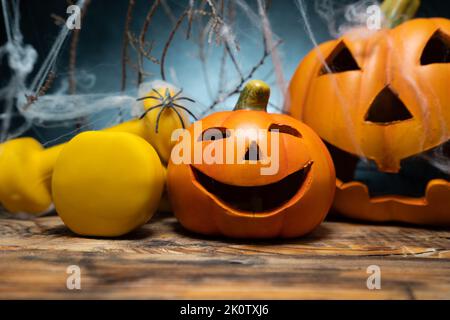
[(161, 260)]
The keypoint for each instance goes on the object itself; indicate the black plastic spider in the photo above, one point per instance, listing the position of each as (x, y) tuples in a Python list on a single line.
[(167, 101)]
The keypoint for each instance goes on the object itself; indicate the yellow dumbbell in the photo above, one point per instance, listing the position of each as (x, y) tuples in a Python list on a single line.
[(25, 172), (26, 167), (107, 183)]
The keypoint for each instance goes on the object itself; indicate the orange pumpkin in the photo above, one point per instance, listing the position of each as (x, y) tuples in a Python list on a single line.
[(383, 97), (234, 198)]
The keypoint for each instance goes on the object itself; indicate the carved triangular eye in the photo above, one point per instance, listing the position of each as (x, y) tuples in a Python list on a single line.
[(387, 108), (340, 60), (437, 49)]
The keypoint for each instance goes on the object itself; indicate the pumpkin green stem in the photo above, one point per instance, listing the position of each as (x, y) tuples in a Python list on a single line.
[(398, 11), (255, 96)]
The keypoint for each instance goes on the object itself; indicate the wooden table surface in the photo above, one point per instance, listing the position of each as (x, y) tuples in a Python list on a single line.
[(161, 260)]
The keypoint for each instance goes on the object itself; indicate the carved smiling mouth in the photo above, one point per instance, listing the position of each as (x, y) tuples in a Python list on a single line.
[(256, 199), (411, 181)]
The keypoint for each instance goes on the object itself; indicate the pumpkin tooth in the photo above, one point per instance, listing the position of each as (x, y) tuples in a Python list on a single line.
[(436, 188)]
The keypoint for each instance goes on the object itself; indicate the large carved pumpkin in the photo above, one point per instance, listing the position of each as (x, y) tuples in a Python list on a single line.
[(234, 198), (383, 97)]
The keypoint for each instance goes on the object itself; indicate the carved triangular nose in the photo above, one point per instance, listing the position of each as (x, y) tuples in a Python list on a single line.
[(253, 153), (387, 108)]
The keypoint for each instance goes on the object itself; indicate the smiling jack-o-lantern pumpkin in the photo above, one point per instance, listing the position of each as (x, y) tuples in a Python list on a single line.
[(236, 197), (383, 97)]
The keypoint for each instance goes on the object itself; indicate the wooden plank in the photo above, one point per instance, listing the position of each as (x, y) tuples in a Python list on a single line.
[(161, 260)]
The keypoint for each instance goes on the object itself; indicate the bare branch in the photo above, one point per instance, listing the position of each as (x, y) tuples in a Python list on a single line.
[(73, 51), (42, 91), (144, 49), (169, 40), (249, 75), (142, 52), (233, 59), (190, 18), (131, 4)]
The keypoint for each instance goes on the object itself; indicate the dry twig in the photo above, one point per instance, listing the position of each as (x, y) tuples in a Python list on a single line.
[(237, 88), (145, 48), (168, 42), (73, 51), (42, 91), (131, 4)]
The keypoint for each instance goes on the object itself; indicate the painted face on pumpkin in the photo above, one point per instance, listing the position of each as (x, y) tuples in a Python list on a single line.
[(237, 198), (381, 103)]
